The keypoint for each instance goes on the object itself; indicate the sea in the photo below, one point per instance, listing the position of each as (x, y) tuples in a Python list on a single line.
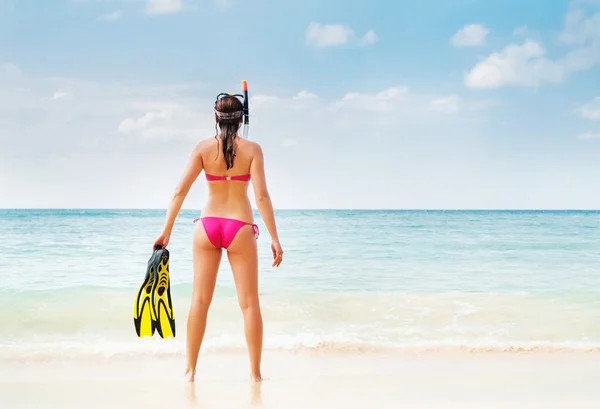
[(351, 280)]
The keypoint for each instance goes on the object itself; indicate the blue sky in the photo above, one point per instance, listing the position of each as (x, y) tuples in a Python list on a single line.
[(358, 104)]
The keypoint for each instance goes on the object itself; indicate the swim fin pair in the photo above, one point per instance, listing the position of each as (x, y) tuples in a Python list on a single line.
[(153, 309)]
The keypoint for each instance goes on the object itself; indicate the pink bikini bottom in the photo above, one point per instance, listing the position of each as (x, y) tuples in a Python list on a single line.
[(221, 231)]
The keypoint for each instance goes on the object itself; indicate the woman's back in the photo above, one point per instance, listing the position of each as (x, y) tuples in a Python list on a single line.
[(230, 163), (228, 188)]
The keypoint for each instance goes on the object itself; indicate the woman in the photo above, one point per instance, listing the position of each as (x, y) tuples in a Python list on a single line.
[(227, 222)]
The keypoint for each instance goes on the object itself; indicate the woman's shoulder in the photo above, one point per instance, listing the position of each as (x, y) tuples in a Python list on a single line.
[(212, 143), (202, 147), (209, 144), (251, 147)]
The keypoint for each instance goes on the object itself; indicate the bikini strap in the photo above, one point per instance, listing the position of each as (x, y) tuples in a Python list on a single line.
[(254, 227)]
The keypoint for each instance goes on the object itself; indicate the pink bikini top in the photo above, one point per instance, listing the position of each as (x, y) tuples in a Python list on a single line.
[(243, 178)]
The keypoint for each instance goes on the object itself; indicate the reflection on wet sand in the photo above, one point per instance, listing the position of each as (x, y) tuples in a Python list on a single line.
[(255, 394), (256, 390), (191, 394)]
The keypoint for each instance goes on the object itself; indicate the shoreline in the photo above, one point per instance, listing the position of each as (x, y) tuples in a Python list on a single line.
[(73, 354), (316, 380), (319, 209)]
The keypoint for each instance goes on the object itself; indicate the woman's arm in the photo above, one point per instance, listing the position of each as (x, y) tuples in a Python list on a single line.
[(193, 169), (261, 193)]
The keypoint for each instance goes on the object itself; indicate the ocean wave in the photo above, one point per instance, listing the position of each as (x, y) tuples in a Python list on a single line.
[(100, 323), (66, 350)]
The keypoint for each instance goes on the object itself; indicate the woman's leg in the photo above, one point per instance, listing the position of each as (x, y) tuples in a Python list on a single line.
[(206, 265), (242, 254)]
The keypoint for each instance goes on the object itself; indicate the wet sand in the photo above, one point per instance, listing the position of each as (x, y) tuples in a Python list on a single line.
[(308, 380)]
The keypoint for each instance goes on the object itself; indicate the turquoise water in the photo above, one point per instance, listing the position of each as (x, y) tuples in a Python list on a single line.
[(349, 280)]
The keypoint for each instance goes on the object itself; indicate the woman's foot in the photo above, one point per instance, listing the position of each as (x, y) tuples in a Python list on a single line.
[(190, 375), (256, 377)]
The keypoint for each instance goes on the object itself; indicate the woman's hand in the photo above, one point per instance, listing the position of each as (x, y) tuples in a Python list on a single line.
[(277, 253), (161, 241)]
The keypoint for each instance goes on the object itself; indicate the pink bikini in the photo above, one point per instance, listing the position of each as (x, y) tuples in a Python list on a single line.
[(242, 178), (222, 230)]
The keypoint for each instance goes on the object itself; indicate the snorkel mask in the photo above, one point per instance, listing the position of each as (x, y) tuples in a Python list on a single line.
[(245, 112)]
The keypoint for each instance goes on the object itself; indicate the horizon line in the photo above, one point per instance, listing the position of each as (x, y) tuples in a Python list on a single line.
[(317, 209)]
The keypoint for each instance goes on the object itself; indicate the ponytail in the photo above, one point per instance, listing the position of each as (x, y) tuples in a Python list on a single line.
[(229, 113), (228, 136)]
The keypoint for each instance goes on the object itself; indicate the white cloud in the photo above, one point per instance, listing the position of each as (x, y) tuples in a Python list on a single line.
[(582, 33), (580, 30), (363, 111), (523, 65), (129, 140), (114, 16), (521, 31), (328, 35), (166, 120), (448, 104), (259, 100), (98, 111), (470, 35), (369, 38), (10, 69), (147, 121), (59, 94), (588, 136), (334, 35), (289, 142), (169, 113), (591, 110), (526, 64), (163, 6), (383, 101), (305, 95), (131, 144), (151, 7)]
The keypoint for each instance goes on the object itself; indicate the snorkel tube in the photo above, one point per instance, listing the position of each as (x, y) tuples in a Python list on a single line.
[(246, 110)]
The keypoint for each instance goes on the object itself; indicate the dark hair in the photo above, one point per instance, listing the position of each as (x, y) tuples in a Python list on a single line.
[(229, 125)]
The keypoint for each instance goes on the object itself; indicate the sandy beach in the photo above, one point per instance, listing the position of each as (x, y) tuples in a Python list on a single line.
[(309, 380)]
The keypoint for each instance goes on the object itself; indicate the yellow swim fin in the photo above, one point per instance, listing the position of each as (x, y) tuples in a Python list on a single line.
[(163, 306), (144, 317)]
